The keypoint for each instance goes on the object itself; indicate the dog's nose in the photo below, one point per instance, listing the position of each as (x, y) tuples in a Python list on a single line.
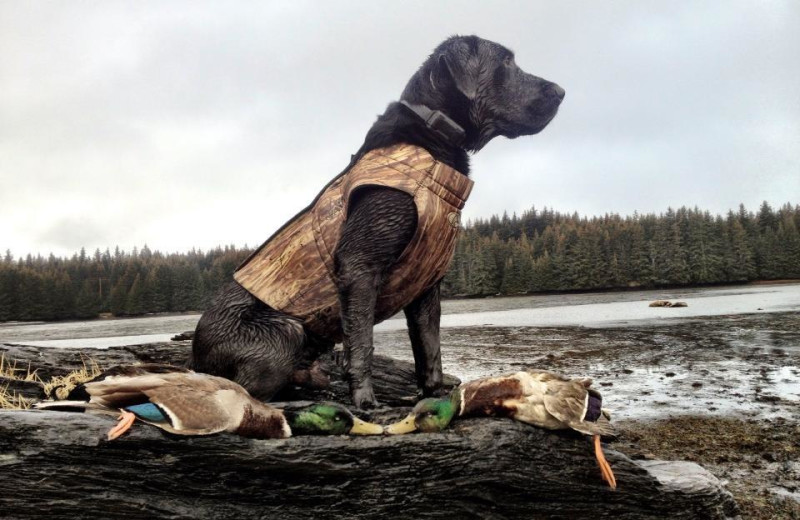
[(557, 91)]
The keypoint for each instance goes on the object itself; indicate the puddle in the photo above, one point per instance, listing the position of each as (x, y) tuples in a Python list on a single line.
[(787, 383)]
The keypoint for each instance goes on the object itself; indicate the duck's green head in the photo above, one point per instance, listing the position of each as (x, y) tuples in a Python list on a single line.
[(429, 415), (328, 419)]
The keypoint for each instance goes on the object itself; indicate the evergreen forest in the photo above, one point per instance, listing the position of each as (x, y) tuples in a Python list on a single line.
[(537, 251)]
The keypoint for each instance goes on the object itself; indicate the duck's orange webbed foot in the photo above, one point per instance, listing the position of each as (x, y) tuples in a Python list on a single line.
[(126, 419), (605, 468)]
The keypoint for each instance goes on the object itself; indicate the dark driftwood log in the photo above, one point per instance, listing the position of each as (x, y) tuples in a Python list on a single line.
[(394, 380), (60, 464), (26, 389), (56, 464)]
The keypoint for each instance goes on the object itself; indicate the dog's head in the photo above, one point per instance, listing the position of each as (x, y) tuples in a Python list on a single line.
[(478, 84)]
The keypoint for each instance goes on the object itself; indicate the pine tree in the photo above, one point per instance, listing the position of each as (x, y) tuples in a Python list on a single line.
[(454, 281), (159, 282), (8, 292), (496, 254), (741, 266), (766, 218), (187, 293), (769, 255), (134, 305), (63, 297), (512, 282), (789, 238), (670, 264), (87, 302), (31, 297), (118, 299), (543, 275)]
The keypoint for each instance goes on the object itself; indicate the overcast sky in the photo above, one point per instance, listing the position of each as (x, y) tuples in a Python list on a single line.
[(194, 124)]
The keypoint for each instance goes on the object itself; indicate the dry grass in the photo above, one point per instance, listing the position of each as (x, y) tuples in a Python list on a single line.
[(59, 387), (10, 371), (13, 401)]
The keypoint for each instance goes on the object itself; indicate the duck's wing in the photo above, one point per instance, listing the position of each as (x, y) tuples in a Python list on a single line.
[(568, 401), (142, 370), (182, 403), (196, 409), (80, 393)]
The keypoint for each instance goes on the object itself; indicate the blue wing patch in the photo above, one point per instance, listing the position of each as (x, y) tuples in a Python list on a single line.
[(149, 412)]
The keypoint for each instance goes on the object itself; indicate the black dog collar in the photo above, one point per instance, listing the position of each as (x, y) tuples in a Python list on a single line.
[(438, 122)]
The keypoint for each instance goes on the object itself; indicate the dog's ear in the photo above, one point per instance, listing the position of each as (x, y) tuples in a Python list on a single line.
[(446, 74)]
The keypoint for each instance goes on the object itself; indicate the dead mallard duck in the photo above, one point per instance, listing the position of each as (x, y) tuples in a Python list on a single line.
[(184, 402), (539, 398)]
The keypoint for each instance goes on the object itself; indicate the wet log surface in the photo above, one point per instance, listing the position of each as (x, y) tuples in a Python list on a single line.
[(393, 379), (60, 463)]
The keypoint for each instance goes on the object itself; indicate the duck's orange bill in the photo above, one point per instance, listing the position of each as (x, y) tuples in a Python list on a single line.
[(605, 468), (126, 419)]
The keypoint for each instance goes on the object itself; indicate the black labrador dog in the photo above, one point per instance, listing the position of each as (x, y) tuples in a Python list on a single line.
[(478, 85)]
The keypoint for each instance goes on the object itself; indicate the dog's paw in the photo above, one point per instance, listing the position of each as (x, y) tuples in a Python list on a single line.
[(364, 397)]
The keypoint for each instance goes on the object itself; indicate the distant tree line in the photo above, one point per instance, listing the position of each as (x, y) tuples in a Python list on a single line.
[(120, 283), (541, 250), (549, 251)]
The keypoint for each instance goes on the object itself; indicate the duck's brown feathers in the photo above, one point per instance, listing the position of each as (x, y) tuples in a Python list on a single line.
[(196, 404), (566, 400), (489, 397), (262, 426), (540, 398)]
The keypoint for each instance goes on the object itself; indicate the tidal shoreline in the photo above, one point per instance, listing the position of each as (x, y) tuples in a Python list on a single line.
[(722, 390)]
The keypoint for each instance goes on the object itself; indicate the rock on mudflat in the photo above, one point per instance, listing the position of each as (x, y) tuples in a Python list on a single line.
[(60, 464), (667, 303)]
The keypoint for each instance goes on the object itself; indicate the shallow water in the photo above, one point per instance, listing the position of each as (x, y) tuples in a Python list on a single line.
[(98, 333), (609, 309), (612, 309)]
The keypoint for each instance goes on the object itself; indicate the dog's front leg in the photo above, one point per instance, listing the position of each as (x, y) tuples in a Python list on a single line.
[(423, 316), (357, 296), (379, 225)]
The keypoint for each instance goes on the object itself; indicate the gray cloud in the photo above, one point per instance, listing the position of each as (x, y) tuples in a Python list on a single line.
[(188, 124)]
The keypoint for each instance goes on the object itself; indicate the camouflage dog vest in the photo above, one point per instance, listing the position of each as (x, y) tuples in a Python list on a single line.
[(293, 270)]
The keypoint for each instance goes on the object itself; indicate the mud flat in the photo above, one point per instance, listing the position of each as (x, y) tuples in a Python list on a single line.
[(723, 391)]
